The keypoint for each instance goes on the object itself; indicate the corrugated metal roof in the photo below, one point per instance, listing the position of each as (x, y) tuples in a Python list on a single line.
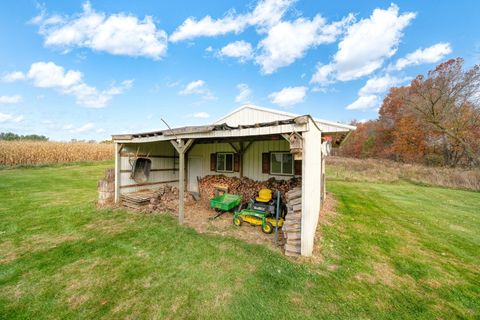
[(208, 128)]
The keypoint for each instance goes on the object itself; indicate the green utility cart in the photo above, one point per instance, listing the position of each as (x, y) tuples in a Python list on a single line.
[(225, 202)]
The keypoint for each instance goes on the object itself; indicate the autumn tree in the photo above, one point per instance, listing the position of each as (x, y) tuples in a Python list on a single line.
[(447, 103), (362, 143), (399, 137), (434, 120)]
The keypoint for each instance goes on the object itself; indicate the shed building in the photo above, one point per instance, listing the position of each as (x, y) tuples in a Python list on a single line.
[(251, 141)]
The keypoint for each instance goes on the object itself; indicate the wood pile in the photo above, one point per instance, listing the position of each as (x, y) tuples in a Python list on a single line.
[(163, 199), (137, 200), (292, 227), (245, 187), (106, 189)]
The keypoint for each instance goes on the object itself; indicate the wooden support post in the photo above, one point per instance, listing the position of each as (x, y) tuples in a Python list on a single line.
[(181, 146), (118, 164)]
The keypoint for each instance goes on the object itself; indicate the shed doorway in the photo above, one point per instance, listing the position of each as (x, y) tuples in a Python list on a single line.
[(195, 169)]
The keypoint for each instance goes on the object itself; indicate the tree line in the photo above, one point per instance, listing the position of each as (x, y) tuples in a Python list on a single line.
[(435, 120), (10, 136)]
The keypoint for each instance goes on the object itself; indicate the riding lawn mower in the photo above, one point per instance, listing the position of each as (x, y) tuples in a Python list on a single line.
[(266, 210)]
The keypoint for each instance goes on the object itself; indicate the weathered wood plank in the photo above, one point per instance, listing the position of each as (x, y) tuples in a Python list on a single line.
[(146, 184)]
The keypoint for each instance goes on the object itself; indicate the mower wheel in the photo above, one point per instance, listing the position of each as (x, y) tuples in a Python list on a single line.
[(237, 221), (267, 227)]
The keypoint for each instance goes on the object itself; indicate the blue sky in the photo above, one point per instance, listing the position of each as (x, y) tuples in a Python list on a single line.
[(86, 70)]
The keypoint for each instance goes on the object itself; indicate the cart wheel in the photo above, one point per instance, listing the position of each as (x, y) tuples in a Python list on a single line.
[(237, 221), (267, 227)]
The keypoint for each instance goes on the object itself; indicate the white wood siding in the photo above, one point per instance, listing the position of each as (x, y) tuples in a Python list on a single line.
[(154, 149), (248, 116), (311, 187), (252, 166), (253, 114)]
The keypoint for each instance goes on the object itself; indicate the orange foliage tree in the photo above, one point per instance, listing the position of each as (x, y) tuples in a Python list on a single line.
[(435, 120)]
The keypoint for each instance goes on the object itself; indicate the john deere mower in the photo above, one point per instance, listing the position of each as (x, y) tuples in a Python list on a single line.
[(262, 211)]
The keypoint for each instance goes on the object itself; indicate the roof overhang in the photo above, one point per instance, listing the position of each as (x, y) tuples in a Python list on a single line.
[(219, 131)]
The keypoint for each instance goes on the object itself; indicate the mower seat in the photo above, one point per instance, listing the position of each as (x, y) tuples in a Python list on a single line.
[(264, 195)]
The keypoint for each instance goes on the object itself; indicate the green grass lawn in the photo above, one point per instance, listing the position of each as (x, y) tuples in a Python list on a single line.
[(392, 251)]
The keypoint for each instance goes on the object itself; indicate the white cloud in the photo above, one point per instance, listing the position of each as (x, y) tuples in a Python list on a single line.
[(244, 94), (69, 82), (265, 14), (10, 99), (209, 49), (50, 75), (288, 96), (191, 28), (118, 34), (241, 50), (285, 41), (100, 130), (201, 115), (365, 46), (86, 127), (288, 41), (431, 54), (4, 117), (194, 87), (13, 76), (380, 84), (198, 87), (369, 95), (364, 103)]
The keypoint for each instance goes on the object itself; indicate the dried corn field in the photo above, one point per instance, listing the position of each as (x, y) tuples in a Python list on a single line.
[(15, 153)]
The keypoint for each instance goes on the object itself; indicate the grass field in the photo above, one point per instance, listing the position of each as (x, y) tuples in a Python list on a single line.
[(392, 251)]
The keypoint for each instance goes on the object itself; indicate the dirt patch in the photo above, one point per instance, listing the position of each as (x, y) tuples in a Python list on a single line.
[(327, 214), (34, 243), (108, 226), (384, 273), (7, 252), (80, 287), (198, 216)]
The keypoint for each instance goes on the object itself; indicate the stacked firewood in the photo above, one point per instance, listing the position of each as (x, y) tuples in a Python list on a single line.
[(245, 187), (163, 199), (106, 189), (292, 227)]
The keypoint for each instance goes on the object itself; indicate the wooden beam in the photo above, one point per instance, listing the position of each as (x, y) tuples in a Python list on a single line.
[(181, 146), (152, 170), (245, 148), (121, 148), (234, 147), (125, 154), (147, 184), (238, 139), (118, 164), (286, 136)]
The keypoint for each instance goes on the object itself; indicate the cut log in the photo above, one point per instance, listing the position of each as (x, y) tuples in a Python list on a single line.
[(292, 248)]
